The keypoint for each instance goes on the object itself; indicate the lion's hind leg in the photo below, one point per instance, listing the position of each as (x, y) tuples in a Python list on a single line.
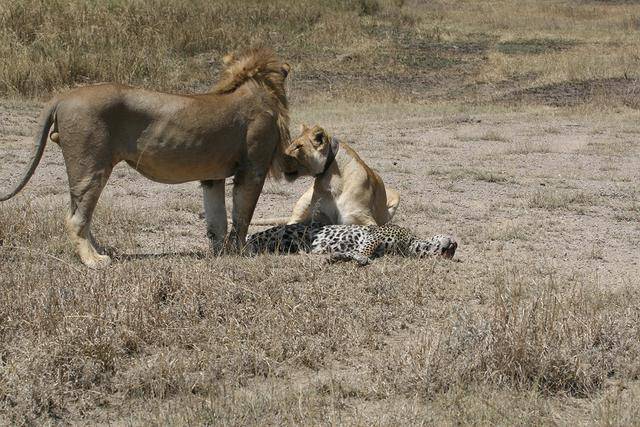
[(85, 192)]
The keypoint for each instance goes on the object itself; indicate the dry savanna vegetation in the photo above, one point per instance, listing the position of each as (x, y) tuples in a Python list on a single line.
[(512, 124)]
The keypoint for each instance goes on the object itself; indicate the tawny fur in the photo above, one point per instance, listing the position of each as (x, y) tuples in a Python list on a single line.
[(348, 192), (239, 128)]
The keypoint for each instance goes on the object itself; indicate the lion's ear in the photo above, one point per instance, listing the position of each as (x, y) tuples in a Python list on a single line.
[(285, 69), (228, 59)]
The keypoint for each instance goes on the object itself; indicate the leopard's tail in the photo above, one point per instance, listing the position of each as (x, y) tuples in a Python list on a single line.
[(271, 221), (47, 119)]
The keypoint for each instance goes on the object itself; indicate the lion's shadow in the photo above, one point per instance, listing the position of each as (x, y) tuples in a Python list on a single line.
[(120, 256)]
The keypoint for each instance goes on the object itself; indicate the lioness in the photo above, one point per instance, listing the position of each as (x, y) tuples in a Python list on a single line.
[(239, 128), (345, 190)]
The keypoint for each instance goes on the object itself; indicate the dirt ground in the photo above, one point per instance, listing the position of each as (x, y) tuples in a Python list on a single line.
[(559, 185), (541, 192)]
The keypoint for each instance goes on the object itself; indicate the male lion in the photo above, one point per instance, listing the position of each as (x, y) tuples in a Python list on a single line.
[(345, 189), (239, 128)]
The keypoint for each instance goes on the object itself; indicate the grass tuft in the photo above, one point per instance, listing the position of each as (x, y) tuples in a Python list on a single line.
[(555, 199), (537, 337), (533, 46)]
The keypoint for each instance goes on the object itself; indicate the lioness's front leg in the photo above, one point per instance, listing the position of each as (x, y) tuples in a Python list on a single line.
[(246, 190), (303, 208), (215, 213)]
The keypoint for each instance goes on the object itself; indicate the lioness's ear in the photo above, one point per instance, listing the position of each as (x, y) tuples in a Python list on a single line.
[(228, 59), (318, 136), (285, 69)]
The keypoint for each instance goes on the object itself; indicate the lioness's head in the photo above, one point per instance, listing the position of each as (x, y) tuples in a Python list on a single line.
[(308, 153)]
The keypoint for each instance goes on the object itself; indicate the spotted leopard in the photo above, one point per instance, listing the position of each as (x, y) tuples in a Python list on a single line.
[(360, 243)]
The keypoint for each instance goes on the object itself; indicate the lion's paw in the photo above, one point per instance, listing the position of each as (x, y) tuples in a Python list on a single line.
[(97, 261)]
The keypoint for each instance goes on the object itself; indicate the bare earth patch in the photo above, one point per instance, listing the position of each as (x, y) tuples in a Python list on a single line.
[(623, 90)]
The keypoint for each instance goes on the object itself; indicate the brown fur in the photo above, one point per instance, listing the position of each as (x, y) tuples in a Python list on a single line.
[(266, 70), (239, 128), (348, 192)]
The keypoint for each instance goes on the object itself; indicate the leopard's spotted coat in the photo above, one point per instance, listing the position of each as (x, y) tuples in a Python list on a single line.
[(360, 243)]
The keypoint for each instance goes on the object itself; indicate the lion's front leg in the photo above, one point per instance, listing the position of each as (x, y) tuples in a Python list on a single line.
[(215, 213), (246, 191)]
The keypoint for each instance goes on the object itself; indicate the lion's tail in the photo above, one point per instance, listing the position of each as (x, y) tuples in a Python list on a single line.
[(47, 118)]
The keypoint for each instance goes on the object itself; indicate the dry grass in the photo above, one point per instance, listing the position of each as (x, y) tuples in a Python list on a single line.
[(510, 124), (192, 205), (556, 199), (469, 173), (556, 52), (217, 333), (486, 136), (529, 148), (630, 212), (616, 147), (536, 322), (508, 231), (535, 338), (175, 45), (181, 337)]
